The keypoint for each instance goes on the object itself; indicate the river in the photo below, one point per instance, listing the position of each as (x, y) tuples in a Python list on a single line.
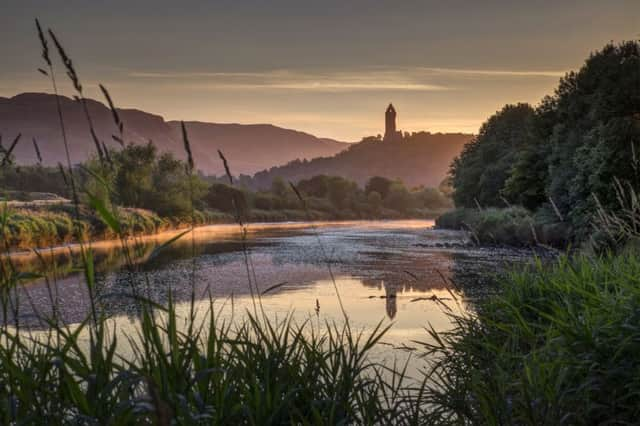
[(400, 272)]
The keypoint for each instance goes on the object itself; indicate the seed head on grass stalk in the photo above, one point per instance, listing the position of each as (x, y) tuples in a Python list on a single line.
[(44, 44), (75, 80), (67, 62), (187, 146), (114, 113), (70, 181), (37, 149), (8, 152)]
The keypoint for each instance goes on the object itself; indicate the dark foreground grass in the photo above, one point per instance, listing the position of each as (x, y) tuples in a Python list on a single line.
[(560, 345), (208, 372)]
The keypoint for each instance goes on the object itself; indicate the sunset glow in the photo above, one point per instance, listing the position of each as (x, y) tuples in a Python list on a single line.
[(323, 69)]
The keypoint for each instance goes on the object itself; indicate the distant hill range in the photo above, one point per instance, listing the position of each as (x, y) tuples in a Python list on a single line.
[(249, 148), (418, 159)]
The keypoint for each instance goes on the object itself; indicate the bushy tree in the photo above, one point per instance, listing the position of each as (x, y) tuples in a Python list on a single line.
[(138, 177), (173, 189), (598, 121), (572, 149), (340, 191), (134, 180), (480, 172), (529, 178), (378, 184), (226, 198), (317, 186), (399, 198), (374, 199)]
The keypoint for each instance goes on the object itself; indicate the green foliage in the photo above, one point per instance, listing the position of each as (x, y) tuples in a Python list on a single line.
[(317, 186), (529, 177), (133, 178), (558, 346), (398, 198), (513, 226), (570, 149), (334, 197), (140, 178), (173, 189), (378, 184), (226, 198), (32, 179), (481, 170), (598, 107)]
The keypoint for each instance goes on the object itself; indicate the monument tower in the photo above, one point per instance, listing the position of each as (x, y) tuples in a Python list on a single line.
[(390, 132)]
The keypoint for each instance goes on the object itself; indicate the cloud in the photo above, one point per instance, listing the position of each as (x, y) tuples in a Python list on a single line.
[(413, 79), (495, 73), (330, 81)]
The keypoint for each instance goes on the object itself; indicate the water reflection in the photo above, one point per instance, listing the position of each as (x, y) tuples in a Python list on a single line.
[(382, 269)]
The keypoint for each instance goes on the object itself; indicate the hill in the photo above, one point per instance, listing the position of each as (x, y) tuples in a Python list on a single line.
[(249, 148), (421, 158)]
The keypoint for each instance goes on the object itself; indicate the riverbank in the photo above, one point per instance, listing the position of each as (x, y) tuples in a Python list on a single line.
[(512, 226), (29, 226)]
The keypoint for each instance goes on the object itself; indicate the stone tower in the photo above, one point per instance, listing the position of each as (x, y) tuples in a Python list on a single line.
[(390, 132)]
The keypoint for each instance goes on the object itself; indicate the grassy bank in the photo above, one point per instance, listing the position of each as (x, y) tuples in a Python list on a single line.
[(558, 346), (44, 226), (513, 226)]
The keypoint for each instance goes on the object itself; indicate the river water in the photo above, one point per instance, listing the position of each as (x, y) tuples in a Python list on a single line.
[(399, 272)]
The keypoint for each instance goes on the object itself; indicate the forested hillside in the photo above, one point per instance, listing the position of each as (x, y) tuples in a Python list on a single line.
[(418, 159)]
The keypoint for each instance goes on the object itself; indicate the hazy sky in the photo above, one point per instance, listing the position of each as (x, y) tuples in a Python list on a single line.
[(326, 67)]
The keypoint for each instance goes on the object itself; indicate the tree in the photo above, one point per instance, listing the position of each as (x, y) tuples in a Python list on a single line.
[(573, 148), (399, 198), (529, 179), (133, 180), (378, 184), (317, 186), (374, 199), (340, 190), (598, 120), (226, 198), (173, 193), (480, 172)]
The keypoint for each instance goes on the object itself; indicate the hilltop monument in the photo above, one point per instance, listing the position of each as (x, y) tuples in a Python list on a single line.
[(390, 132)]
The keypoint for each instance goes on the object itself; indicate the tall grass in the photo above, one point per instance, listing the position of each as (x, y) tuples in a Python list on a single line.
[(559, 346), (214, 373)]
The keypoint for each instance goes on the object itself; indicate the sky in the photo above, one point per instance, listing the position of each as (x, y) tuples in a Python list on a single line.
[(325, 67)]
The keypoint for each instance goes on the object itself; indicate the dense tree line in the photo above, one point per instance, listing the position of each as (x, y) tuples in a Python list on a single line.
[(569, 151), (138, 176)]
